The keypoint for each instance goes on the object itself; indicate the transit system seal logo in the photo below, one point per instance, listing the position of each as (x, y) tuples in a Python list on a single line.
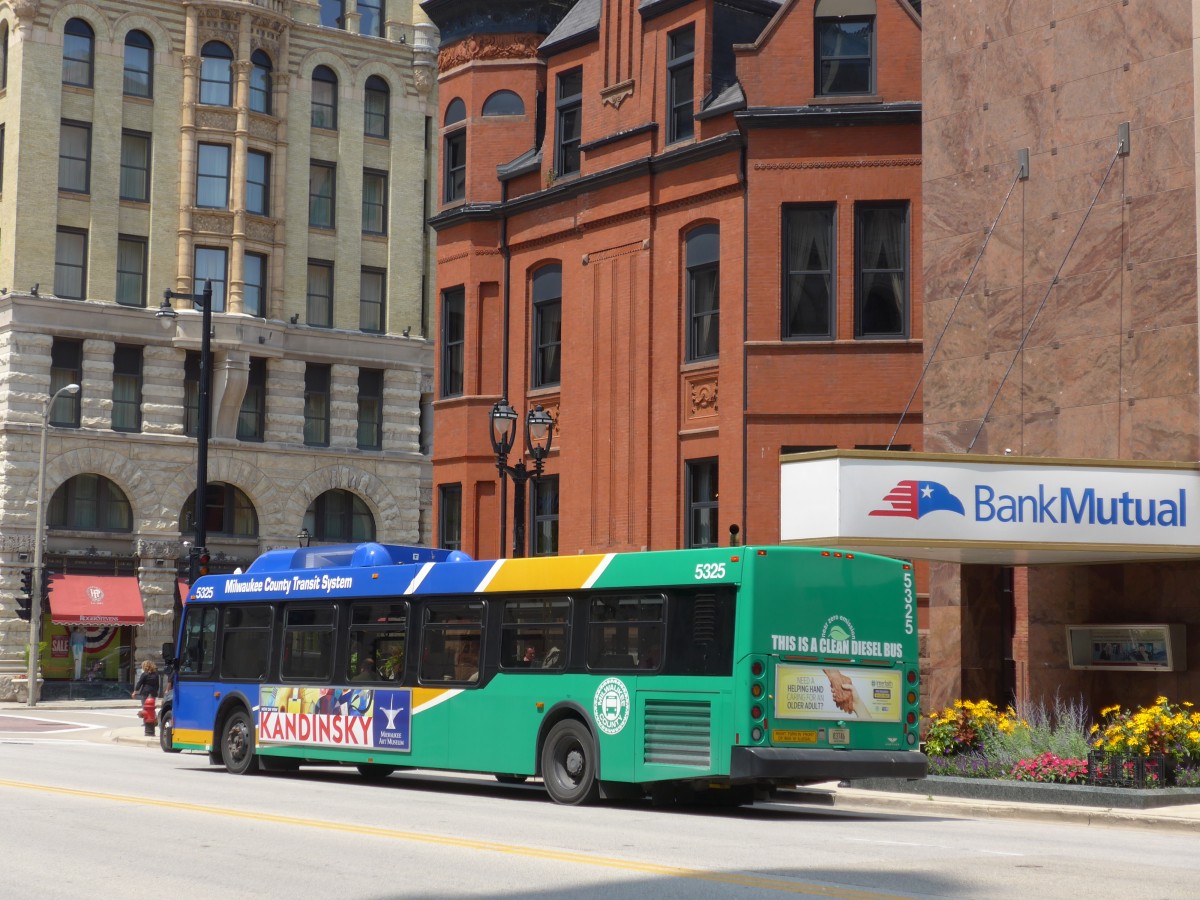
[(610, 706)]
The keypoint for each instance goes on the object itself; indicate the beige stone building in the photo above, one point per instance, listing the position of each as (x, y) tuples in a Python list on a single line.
[(280, 150)]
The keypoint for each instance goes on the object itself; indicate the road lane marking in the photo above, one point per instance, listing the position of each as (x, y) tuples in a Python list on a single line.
[(792, 887), (956, 847)]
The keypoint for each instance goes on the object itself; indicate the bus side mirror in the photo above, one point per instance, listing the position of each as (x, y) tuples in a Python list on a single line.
[(168, 654)]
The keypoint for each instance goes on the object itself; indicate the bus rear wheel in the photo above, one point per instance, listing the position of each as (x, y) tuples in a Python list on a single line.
[(569, 764), (237, 743)]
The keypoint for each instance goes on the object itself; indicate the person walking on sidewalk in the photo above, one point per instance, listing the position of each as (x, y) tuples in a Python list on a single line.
[(147, 683)]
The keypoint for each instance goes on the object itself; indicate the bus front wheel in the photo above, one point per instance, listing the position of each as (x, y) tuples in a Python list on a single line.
[(569, 764), (237, 743)]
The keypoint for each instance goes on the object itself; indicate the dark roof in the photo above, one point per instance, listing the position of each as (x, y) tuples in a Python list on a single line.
[(529, 161), (578, 26), (732, 98)]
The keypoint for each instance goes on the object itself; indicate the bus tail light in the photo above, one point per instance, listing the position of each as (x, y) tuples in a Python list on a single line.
[(911, 698), (757, 668), (912, 718), (756, 690), (756, 734), (756, 712)]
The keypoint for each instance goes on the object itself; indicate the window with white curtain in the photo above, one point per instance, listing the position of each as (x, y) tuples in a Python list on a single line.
[(808, 277), (881, 251)]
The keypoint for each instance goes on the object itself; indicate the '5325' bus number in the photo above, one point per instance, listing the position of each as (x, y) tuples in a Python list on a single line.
[(204, 593), (708, 571)]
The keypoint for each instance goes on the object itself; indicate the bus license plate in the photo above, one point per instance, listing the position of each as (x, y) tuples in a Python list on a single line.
[(839, 735)]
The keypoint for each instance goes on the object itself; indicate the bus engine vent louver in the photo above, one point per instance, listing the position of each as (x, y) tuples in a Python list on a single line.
[(704, 619), (678, 733)]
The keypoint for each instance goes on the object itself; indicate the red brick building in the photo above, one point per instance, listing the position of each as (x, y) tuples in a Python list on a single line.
[(691, 231)]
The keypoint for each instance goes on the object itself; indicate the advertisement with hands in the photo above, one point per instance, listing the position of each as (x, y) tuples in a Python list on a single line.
[(808, 692)]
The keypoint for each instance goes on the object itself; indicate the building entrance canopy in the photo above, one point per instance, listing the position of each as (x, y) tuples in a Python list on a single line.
[(1002, 510)]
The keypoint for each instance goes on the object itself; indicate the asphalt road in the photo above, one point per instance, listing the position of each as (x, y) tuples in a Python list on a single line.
[(84, 816)]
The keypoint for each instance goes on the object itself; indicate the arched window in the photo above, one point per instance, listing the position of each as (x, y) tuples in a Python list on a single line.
[(139, 64), (547, 325), (456, 111), (454, 153), (216, 74), (375, 108), (228, 511), (90, 503), (339, 517), (79, 51), (503, 103), (324, 98), (260, 82), (703, 292)]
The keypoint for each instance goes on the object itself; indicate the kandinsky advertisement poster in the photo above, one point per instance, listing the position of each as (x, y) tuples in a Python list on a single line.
[(335, 717)]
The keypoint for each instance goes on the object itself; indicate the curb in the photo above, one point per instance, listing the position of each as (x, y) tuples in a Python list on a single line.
[(864, 801)]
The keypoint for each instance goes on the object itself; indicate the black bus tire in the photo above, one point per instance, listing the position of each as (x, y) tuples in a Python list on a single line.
[(569, 764), (166, 731), (237, 743)]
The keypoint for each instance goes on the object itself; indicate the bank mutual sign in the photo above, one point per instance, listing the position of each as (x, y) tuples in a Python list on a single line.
[(1040, 505)]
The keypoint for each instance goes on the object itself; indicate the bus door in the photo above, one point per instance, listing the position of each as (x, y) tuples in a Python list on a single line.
[(194, 707)]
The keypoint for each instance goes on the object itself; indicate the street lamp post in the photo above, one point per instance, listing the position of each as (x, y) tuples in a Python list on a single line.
[(166, 314), (35, 597), (539, 433)]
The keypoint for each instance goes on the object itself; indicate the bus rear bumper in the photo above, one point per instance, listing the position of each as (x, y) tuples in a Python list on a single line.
[(789, 764)]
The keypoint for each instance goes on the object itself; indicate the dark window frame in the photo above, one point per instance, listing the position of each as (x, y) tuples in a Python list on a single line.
[(450, 498), (318, 396), (129, 167), (377, 120), (112, 510), (454, 318), (66, 367), (544, 497), (381, 206), (370, 409), (568, 122), (211, 179), (72, 187), (123, 275), (215, 86), (703, 272), (137, 39), (795, 274), (59, 285), (371, 311), (220, 285), (825, 61), (353, 511), (681, 69), (865, 275), (258, 185), (261, 73), (127, 364), (259, 287), (324, 110), (78, 33), (706, 506), (547, 303), (252, 416), (322, 207), (316, 302)]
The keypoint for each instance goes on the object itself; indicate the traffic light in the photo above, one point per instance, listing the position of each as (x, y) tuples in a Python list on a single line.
[(202, 562), (26, 597), (45, 594)]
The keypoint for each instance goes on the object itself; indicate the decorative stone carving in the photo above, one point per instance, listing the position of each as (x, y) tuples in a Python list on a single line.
[(25, 11), (207, 117), (422, 77), (487, 47), (261, 230), (703, 398), (159, 549), (214, 223), (263, 128), (616, 94)]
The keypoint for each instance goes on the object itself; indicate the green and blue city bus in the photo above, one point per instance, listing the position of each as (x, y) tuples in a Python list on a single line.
[(666, 673)]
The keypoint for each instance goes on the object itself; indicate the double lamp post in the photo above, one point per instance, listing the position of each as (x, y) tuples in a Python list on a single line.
[(539, 433), (198, 555)]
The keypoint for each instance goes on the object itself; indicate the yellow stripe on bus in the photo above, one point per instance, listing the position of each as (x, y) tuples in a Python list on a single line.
[(545, 573), (192, 736)]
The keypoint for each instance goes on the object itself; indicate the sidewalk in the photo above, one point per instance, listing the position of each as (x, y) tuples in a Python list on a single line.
[(1184, 818)]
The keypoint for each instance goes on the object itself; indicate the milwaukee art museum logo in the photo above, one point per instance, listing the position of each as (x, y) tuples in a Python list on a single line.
[(1047, 505)]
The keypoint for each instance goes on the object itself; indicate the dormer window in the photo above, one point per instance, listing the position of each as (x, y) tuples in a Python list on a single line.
[(845, 42)]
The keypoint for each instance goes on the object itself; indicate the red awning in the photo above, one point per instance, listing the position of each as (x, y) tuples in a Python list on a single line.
[(182, 586), (96, 600)]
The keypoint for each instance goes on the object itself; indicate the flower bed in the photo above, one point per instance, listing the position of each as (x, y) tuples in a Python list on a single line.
[(1152, 747)]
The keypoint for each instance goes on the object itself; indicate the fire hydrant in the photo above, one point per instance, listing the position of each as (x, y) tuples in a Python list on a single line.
[(149, 720)]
